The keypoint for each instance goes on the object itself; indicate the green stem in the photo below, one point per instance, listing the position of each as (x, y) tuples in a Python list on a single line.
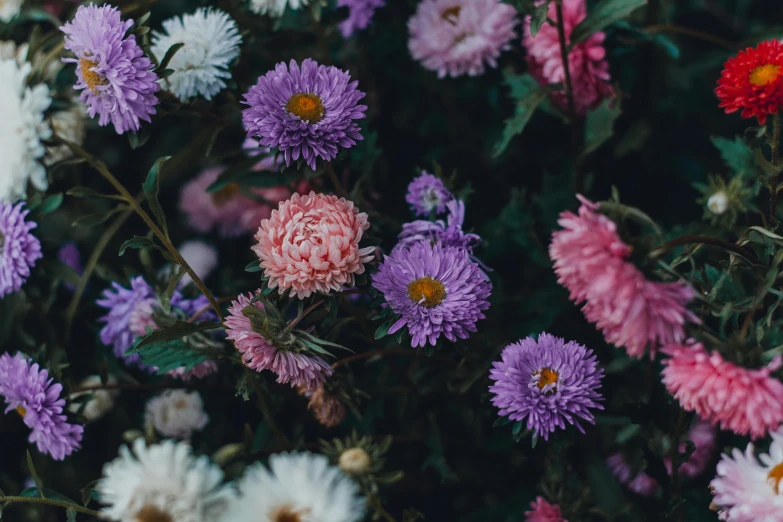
[(704, 240), (564, 57), (50, 502), (304, 314), (332, 176)]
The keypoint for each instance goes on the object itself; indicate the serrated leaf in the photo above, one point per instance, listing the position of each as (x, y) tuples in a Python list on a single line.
[(178, 330), (172, 355), (602, 16), (528, 95), (151, 188), (599, 124), (137, 242), (168, 56)]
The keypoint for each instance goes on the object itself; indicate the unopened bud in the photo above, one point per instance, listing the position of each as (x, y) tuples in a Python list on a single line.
[(355, 461)]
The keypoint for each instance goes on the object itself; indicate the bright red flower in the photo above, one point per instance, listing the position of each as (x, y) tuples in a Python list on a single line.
[(752, 81)]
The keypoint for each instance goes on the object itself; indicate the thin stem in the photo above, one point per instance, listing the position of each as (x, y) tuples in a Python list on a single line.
[(304, 314), (773, 195), (687, 31), (564, 57), (704, 240), (397, 351), (198, 313), (336, 182), (50, 502)]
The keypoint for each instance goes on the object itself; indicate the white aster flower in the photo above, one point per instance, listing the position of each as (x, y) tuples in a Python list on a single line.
[(211, 41), (9, 9), (9, 50), (750, 489), (101, 403), (275, 7), (22, 127), (68, 124), (298, 487), (177, 413), (162, 483), (202, 258)]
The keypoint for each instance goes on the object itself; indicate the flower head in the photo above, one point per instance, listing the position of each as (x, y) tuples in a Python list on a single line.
[(19, 249), (116, 79), (202, 258), (446, 233), (435, 290), (543, 511), (296, 487), (9, 9), (360, 13), (742, 400), (176, 413), (275, 8), (752, 82), (28, 389), (311, 244), (211, 41), (101, 401), (68, 124), (305, 111), (326, 407), (427, 194), (129, 313), (549, 382)]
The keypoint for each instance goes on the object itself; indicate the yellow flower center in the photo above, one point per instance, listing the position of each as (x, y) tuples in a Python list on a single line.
[(775, 476), (225, 195), (152, 514), (546, 376), (307, 106), (21, 411), (91, 78), (427, 292), (764, 74), (451, 14)]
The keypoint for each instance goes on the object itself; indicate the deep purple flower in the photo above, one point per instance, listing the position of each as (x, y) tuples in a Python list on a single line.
[(130, 312), (549, 382), (446, 233), (307, 111), (29, 390), (69, 255), (19, 249), (116, 79), (437, 290), (360, 13), (427, 193)]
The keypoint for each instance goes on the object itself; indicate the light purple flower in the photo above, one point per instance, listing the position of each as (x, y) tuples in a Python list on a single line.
[(116, 79), (305, 112), (69, 255), (360, 13), (549, 382), (446, 233), (19, 249), (427, 193), (435, 290), (130, 311), (28, 389)]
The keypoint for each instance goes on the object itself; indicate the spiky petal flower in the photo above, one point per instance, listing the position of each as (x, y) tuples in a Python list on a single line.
[(752, 82), (586, 60), (296, 487), (19, 249), (116, 79), (743, 400), (543, 511), (435, 290), (326, 407), (548, 382), (28, 389), (211, 41), (426, 194), (259, 353), (275, 8), (176, 413), (446, 233), (128, 310), (360, 13), (311, 244), (305, 111)]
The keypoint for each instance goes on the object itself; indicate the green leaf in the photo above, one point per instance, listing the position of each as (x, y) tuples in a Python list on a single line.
[(174, 278), (603, 15), (538, 17), (70, 515), (168, 56), (34, 474), (382, 330), (51, 203), (737, 155), (254, 266), (87, 192), (172, 355), (46, 493), (599, 124), (140, 137), (247, 177), (98, 218), (137, 242), (529, 95), (151, 188), (178, 330), (501, 421)]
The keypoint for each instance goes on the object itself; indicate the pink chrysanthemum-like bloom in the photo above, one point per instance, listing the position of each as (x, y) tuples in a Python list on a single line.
[(591, 261), (311, 244), (742, 400), (543, 511), (258, 352), (586, 61)]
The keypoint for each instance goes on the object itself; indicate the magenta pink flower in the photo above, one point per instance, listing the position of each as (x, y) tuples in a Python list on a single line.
[(591, 261), (259, 353), (740, 399), (543, 511), (311, 244), (586, 61)]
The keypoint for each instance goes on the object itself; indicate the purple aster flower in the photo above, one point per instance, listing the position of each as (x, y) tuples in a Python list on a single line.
[(437, 290), (29, 390), (359, 15), (130, 313), (116, 79), (427, 193), (19, 249), (307, 111), (68, 254), (446, 233), (549, 382)]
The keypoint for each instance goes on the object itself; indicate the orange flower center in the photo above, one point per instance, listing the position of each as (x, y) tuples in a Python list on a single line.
[(764, 74), (307, 106), (775, 476), (225, 195), (91, 78), (21, 411), (427, 292), (546, 376), (287, 514), (152, 514), (451, 14)]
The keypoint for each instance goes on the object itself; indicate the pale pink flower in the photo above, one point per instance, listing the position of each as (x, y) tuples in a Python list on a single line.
[(543, 511), (740, 399), (586, 61), (592, 262), (259, 353), (311, 244), (199, 371)]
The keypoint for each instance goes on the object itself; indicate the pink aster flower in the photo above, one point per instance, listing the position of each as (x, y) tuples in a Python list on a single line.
[(591, 261), (259, 353), (311, 244), (586, 61), (740, 399), (543, 511)]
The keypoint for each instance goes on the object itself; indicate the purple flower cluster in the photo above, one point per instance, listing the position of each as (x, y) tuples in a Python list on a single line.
[(448, 233), (19, 249), (29, 390), (548, 382), (305, 111), (360, 13), (116, 79), (427, 193)]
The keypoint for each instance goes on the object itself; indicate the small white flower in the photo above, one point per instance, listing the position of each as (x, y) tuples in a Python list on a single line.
[(718, 203), (177, 413), (354, 461), (9, 50), (22, 127), (9, 9), (275, 7), (211, 41), (102, 401), (162, 483), (68, 124), (298, 487), (202, 258)]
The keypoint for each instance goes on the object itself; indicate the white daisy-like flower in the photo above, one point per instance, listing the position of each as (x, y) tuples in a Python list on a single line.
[(102, 401), (9, 49), (297, 487), (749, 489), (275, 7), (68, 124), (202, 258), (177, 413), (9, 9), (211, 41), (162, 483), (22, 127)]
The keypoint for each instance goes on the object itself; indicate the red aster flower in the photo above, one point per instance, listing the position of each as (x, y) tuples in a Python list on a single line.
[(753, 81)]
